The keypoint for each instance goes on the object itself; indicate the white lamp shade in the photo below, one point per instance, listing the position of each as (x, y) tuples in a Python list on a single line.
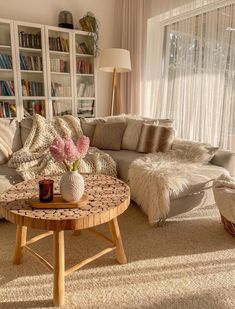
[(115, 58)]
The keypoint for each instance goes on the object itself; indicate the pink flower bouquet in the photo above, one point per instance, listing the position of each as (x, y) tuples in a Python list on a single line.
[(65, 151)]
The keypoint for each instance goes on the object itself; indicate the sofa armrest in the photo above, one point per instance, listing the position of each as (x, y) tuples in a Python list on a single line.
[(226, 159)]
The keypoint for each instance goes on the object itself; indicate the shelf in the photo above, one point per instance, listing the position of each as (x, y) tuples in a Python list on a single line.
[(33, 98), (55, 52), (61, 98), (7, 97), (61, 73), (85, 98), (5, 70), (80, 74), (84, 55), (28, 49), (5, 47), (31, 71)]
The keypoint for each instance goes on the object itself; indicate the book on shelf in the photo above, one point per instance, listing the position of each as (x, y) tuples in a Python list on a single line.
[(5, 61), (34, 107), (85, 107), (85, 90), (7, 110), (84, 48), (59, 44), (84, 66), (59, 65), (59, 90), (7, 88), (30, 40), (61, 108), (31, 88), (32, 63)]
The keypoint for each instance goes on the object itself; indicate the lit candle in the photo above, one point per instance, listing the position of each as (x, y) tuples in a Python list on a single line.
[(46, 190)]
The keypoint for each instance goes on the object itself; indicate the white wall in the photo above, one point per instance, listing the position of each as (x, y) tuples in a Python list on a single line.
[(46, 12), (156, 7)]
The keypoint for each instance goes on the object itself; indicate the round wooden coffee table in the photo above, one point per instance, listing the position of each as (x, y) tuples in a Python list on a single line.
[(108, 198)]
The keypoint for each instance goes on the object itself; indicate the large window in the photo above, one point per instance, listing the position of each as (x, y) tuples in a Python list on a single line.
[(198, 80)]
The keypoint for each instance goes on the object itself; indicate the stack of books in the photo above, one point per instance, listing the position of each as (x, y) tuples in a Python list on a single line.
[(59, 90), (61, 108), (31, 88), (30, 40), (34, 107), (84, 67), (59, 65), (84, 48), (7, 110), (86, 108), (86, 90), (33, 63), (7, 88), (5, 61), (59, 44)]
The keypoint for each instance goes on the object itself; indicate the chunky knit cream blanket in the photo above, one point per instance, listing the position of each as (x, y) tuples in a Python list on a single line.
[(34, 158)]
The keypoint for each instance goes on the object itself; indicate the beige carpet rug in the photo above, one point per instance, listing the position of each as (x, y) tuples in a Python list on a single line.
[(188, 263)]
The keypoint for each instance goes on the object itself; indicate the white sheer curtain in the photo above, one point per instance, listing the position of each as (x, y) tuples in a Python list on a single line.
[(196, 84), (131, 27)]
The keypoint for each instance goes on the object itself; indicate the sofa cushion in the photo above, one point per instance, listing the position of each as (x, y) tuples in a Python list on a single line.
[(10, 139), (124, 158), (199, 178), (108, 135), (155, 138)]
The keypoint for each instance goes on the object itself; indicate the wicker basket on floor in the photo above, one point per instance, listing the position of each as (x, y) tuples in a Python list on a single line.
[(228, 225)]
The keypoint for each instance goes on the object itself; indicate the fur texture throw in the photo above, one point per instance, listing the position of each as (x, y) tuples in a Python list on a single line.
[(34, 158), (155, 177)]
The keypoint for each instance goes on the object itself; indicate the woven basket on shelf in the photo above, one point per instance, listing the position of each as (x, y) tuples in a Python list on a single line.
[(229, 226)]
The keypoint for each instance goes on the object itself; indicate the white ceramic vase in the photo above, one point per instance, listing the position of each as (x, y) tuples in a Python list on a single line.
[(72, 186)]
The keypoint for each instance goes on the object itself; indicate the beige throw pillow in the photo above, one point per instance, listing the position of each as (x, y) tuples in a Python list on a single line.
[(108, 135), (155, 138), (132, 133), (10, 140)]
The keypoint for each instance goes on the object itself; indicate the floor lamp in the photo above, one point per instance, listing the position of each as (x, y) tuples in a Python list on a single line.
[(115, 60)]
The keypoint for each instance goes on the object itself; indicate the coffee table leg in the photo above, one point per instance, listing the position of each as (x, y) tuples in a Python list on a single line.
[(116, 235), (59, 268), (21, 235)]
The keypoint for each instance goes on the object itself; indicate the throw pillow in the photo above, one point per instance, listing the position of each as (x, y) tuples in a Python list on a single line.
[(165, 122), (10, 140), (25, 128), (88, 126), (108, 135), (155, 138), (133, 130), (195, 151)]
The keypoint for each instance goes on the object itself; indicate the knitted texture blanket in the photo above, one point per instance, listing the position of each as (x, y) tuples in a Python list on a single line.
[(34, 158)]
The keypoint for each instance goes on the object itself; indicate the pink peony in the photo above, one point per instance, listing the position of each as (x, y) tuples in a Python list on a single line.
[(57, 149), (83, 145), (70, 151)]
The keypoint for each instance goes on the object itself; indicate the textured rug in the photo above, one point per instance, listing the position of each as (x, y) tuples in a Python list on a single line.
[(188, 263)]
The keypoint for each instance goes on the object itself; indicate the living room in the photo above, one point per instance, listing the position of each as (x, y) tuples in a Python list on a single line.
[(117, 154)]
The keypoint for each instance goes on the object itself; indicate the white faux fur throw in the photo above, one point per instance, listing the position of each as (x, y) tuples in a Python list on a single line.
[(34, 158), (155, 177)]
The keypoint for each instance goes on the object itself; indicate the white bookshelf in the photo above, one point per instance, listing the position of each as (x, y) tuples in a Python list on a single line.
[(71, 70), (8, 103)]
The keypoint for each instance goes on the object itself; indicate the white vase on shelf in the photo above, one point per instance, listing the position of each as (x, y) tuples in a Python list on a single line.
[(72, 186)]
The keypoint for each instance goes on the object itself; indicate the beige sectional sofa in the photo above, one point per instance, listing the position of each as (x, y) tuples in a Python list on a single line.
[(14, 135)]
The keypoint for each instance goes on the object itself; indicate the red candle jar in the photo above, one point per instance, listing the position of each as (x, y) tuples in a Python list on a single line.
[(46, 190)]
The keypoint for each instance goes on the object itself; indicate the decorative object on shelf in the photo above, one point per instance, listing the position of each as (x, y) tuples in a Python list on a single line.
[(65, 151), (46, 190), (89, 23), (115, 60), (66, 19)]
